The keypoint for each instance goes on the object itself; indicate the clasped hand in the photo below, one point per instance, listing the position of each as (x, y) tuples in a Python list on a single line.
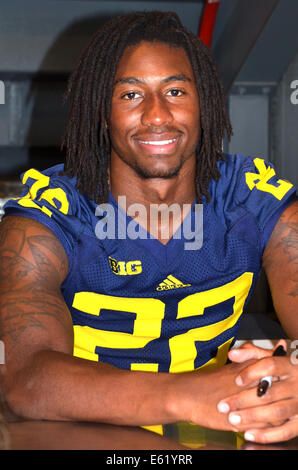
[(272, 417)]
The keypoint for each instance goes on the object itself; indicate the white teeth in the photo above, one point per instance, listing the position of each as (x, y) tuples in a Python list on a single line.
[(157, 142)]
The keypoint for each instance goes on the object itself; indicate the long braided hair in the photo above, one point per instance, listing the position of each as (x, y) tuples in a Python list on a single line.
[(90, 88)]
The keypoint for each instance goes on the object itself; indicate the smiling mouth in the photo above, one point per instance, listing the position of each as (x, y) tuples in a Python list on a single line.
[(159, 147), (158, 142)]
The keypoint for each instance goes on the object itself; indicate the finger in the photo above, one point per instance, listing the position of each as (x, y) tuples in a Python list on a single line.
[(285, 432), (250, 351), (273, 414), (246, 353), (248, 346), (272, 366), (248, 398)]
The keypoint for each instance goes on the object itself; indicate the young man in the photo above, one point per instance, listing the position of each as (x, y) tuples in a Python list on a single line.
[(103, 302)]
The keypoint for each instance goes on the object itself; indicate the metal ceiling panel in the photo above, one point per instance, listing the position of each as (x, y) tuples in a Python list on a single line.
[(241, 32)]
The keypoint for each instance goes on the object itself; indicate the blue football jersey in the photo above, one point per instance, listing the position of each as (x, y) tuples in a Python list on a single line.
[(140, 305)]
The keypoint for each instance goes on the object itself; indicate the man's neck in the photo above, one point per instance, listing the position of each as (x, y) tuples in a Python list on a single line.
[(171, 197)]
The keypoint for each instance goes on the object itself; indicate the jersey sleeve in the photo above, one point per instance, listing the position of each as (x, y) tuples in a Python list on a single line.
[(51, 200), (260, 192)]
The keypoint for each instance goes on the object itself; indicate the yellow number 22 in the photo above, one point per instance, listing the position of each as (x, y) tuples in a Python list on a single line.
[(148, 316)]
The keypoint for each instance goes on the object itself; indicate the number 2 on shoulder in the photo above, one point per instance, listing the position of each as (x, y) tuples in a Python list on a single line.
[(260, 180)]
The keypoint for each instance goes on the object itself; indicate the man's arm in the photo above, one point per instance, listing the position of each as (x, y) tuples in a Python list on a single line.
[(41, 378), (280, 262), (273, 417)]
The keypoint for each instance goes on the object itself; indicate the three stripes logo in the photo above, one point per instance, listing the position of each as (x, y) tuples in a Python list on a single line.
[(171, 282)]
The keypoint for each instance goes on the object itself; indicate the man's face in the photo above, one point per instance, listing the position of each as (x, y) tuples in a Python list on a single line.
[(154, 122)]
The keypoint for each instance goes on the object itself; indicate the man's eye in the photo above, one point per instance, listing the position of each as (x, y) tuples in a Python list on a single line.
[(131, 95), (175, 92)]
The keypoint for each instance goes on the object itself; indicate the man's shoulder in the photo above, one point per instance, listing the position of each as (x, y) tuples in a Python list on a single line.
[(250, 185), (54, 175), (230, 168), (51, 198), (49, 193), (233, 162), (51, 183)]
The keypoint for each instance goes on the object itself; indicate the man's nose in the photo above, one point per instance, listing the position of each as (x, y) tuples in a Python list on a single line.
[(156, 112)]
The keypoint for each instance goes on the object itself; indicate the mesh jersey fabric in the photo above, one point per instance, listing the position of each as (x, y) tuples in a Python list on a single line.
[(138, 304)]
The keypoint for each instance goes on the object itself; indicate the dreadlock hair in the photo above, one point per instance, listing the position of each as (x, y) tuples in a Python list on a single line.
[(90, 87)]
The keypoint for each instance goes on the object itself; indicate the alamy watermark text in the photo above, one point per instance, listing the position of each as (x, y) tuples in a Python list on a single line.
[(2, 92), (2, 353), (294, 94), (159, 221)]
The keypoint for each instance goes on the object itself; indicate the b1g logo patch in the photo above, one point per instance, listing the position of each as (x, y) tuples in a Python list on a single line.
[(124, 268)]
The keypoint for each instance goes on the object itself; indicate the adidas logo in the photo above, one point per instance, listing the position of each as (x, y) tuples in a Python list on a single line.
[(171, 282)]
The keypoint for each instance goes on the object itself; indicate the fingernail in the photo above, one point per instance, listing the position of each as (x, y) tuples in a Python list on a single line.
[(249, 436), (234, 419), (239, 381), (223, 407)]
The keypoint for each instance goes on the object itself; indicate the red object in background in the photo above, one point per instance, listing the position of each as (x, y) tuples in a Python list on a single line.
[(208, 20)]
